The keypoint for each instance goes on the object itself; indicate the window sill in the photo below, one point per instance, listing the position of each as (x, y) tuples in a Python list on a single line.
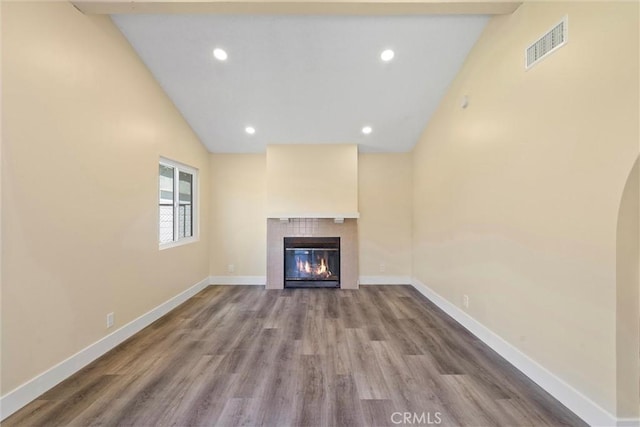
[(180, 242)]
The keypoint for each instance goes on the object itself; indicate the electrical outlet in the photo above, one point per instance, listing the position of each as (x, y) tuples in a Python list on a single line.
[(465, 301), (109, 320), (383, 267), (231, 268)]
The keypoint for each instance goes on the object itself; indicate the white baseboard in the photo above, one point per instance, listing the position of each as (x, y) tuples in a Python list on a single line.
[(238, 280), (628, 422), (20, 396), (385, 280), (578, 403)]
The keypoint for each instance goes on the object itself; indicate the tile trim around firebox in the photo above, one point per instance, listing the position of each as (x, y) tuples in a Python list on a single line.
[(312, 227)]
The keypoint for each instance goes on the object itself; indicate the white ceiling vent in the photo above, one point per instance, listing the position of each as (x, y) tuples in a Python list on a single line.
[(548, 43)]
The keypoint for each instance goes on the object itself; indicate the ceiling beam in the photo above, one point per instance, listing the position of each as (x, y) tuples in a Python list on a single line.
[(299, 7)]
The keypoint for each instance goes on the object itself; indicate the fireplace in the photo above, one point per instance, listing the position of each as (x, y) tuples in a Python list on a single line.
[(311, 262)]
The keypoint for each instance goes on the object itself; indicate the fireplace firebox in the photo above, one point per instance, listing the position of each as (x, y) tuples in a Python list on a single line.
[(311, 262)]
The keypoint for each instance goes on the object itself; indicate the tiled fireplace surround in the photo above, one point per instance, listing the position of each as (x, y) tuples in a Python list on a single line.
[(277, 230)]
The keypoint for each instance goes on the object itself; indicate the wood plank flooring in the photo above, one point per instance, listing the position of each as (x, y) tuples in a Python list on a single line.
[(242, 355)]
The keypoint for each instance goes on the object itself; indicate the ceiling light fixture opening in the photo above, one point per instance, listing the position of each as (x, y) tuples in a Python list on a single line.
[(387, 55), (367, 130), (220, 54), (250, 130)]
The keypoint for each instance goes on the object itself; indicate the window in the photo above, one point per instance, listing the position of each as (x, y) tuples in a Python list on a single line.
[(176, 203)]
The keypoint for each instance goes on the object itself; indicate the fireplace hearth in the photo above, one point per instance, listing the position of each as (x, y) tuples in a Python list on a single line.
[(311, 262)]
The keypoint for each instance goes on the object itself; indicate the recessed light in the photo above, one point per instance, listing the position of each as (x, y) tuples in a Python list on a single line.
[(220, 54), (367, 130), (250, 130), (387, 55)]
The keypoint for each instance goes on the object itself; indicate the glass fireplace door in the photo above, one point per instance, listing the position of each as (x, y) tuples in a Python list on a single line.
[(307, 264)]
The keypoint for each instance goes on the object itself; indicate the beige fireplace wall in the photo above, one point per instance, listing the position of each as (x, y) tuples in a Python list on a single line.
[(329, 187), (239, 225)]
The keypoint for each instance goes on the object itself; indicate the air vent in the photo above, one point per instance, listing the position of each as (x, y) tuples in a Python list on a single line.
[(548, 43)]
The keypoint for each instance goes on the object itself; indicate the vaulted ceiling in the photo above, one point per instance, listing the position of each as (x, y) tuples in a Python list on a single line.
[(303, 71), (303, 78)]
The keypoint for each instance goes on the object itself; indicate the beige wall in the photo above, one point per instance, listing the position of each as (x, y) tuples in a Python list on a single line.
[(238, 218), (1, 161), (384, 227), (238, 214), (516, 197), (627, 294), (330, 185), (83, 126)]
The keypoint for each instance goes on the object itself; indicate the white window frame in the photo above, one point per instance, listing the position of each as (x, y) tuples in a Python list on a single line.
[(195, 204)]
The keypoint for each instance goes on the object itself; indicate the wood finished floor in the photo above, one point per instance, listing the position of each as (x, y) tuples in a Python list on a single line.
[(241, 355)]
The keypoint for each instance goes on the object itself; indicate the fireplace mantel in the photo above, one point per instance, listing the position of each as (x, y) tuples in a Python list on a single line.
[(332, 215)]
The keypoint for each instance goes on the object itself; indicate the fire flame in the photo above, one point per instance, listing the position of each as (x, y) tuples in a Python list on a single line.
[(317, 270)]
